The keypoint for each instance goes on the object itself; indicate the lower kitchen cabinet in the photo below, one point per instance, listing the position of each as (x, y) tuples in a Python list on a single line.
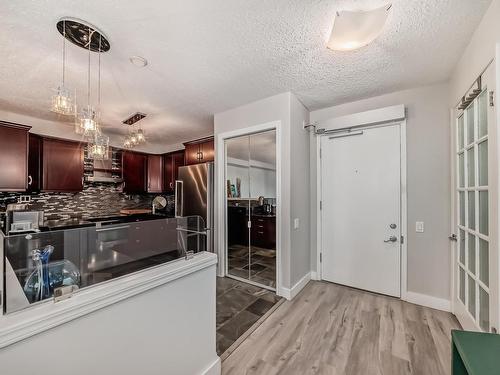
[(62, 165), (13, 157), (134, 166), (237, 226), (155, 174), (263, 232)]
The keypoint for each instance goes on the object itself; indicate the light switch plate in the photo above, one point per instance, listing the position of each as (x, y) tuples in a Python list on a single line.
[(296, 223), (419, 227)]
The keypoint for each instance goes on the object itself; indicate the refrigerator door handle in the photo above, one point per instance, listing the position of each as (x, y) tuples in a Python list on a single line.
[(179, 198)]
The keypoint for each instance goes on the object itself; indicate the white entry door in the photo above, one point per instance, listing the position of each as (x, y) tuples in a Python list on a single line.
[(475, 260), (361, 206)]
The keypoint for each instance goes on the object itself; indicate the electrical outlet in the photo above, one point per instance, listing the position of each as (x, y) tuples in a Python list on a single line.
[(419, 227), (24, 199)]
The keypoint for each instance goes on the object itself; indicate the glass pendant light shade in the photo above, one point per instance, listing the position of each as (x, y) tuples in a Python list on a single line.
[(356, 29), (87, 122), (127, 143), (99, 147), (140, 136), (63, 102)]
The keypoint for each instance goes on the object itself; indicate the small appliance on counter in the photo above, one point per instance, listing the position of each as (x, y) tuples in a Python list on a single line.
[(18, 219)]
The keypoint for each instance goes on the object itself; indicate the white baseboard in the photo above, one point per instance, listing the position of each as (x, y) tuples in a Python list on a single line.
[(428, 301), (314, 275), (291, 293), (214, 368)]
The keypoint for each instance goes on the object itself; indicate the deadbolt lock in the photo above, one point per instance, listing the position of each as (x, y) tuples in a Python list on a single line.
[(393, 226)]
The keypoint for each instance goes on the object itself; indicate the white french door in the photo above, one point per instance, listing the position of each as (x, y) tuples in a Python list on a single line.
[(475, 299)]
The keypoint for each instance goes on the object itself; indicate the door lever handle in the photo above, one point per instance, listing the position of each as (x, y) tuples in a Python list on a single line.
[(391, 239)]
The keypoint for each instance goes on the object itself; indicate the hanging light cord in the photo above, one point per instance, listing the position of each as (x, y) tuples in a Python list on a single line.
[(88, 82), (99, 77), (64, 51)]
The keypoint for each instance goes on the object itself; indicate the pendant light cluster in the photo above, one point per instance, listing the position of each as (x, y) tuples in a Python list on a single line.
[(136, 134), (88, 119)]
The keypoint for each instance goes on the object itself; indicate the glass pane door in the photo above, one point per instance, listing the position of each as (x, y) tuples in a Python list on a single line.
[(238, 207), (473, 250), (251, 208), (263, 213)]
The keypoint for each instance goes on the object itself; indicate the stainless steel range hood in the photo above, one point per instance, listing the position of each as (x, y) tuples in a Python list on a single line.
[(108, 171)]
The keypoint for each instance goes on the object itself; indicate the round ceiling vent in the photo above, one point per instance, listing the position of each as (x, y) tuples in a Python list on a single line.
[(82, 33), (139, 61)]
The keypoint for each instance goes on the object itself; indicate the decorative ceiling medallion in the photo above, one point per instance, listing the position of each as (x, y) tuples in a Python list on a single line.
[(80, 33)]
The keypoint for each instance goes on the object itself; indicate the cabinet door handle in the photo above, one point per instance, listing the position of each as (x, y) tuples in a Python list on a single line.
[(171, 185), (30, 180)]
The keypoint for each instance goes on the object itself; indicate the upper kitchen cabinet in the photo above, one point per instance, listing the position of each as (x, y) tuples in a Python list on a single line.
[(62, 165), (200, 151), (134, 166), (35, 163), (155, 174), (172, 161), (13, 157)]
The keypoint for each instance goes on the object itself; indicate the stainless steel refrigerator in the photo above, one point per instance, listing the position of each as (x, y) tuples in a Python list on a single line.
[(194, 195)]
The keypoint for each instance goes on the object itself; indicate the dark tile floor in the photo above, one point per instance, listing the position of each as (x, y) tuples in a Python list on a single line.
[(239, 306), (259, 267)]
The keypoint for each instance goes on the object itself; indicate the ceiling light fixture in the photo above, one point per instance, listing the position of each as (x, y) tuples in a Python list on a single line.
[(139, 61), (356, 29), (86, 123), (136, 135), (63, 102)]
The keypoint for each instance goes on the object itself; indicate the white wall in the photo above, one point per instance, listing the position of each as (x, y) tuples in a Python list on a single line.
[(300, 191), (428, 181), (286, 109), (166, 330)]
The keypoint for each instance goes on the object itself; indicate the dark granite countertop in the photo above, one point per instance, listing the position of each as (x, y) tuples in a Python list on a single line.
[(72, 223), (263, 215)]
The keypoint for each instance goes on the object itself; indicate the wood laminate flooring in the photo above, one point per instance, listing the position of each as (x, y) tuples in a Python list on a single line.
[(336, 330)]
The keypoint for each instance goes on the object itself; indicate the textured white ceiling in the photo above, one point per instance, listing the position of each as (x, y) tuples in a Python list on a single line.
[(211, 55)]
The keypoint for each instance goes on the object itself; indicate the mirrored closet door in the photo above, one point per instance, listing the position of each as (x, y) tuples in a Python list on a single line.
[(250, 167)]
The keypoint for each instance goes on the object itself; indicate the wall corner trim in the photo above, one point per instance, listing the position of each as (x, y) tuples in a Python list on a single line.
[(315, 276), (428, 301), (290, 294), (214, 368)]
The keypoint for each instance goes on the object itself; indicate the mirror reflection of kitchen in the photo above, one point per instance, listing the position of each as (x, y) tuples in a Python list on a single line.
[(251, 208)]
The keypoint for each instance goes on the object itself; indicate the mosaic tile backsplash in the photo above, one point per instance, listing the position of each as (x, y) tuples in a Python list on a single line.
[(96, 200)]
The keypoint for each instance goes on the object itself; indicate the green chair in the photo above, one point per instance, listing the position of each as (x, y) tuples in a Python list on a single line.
[(475, 353)]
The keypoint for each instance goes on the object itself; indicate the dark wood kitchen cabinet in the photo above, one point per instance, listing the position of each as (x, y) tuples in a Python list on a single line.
[(237, 225), (155, 174), (263, 231), (35, 163), (134, 165), (62, 165), (200, 151), (172, 162), (13, 156)]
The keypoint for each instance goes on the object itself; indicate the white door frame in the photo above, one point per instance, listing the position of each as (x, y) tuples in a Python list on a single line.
[(221, 201), (369, 119)]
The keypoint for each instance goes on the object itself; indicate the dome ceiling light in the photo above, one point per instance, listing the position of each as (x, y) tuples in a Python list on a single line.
[(356, 29)]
